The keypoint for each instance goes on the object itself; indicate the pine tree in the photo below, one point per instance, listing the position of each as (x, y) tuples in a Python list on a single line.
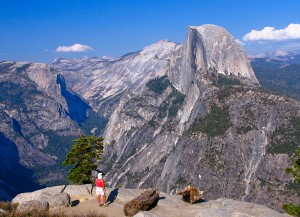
[(293, 209), (83, 157)]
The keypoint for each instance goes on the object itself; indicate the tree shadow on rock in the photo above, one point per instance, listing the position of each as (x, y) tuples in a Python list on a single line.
[(201, 201), (162, 198)]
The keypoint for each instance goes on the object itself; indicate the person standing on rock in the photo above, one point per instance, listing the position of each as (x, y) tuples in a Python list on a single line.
[(100, 190)]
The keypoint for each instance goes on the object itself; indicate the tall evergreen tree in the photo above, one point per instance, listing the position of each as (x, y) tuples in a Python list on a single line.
[(83, 158)]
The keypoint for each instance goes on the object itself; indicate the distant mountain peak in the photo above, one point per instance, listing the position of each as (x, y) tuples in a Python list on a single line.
[(275, 54), (222, 52), (209, 50)]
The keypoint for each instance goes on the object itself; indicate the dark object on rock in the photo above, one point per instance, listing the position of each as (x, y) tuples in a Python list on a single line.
[(28, 206), (60, 200), (190, 194), (145, 201)]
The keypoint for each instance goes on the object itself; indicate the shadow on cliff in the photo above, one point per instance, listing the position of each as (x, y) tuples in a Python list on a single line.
[(77, 107), (14, 178)]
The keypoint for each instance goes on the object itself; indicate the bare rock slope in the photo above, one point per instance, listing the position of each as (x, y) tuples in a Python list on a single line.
[(102, 81)]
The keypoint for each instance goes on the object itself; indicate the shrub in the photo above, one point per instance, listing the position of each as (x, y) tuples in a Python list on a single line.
[(292, 209), (158, 85), (8, 206), (227, 80), (214, 124)]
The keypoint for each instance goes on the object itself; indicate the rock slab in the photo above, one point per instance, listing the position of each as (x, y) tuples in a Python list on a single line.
[(28, 206), (60, 200)]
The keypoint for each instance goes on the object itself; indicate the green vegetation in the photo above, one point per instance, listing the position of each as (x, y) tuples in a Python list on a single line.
[(293, 209), (152, 123), (284, 147), (286, 139), (82, 157), (158, 85), (295, 169), (224, 92), (94, 120), (56, 142), (277, 79), (58, 146), (177, 101), (227, 80), (244, 129), (172, 103), (214, 124), (8, 206), (14, 95), (294, 186)]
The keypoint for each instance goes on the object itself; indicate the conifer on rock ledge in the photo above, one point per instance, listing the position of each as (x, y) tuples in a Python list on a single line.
[(83, 158)]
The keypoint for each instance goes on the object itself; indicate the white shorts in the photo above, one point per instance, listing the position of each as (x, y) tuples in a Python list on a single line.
[(99, 191)]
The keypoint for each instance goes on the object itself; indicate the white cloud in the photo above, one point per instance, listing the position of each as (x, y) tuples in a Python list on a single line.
[(74, 48), (292, 31)]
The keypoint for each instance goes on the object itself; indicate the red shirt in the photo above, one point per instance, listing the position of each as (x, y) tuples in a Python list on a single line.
[(100, 183)]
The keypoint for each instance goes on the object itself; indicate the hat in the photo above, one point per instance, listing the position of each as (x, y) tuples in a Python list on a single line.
[(99, 175)]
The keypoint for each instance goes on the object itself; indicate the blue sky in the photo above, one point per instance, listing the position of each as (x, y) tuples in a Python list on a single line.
[(32, 30)]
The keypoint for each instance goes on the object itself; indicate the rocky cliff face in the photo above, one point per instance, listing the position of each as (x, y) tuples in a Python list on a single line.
[(205, 122), (35, 114), (102, 81)]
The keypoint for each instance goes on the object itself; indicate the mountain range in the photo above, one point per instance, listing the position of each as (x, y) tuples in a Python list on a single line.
[(171, 115)]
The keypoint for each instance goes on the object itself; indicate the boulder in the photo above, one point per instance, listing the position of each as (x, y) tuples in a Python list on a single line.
[(39, 195), (60, 200), (28, 206), (80, 192), (190, 194), (224, 207), (146, 200)]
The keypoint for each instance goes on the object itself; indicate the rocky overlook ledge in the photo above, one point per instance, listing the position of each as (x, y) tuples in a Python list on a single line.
[(83, 201)]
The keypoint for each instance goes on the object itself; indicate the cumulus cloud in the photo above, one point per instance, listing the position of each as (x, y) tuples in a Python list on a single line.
[(292, 31), (74, 48)]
